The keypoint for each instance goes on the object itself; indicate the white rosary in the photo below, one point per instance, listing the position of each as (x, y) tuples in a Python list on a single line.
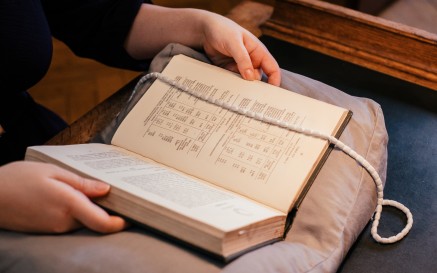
[(346, 149)]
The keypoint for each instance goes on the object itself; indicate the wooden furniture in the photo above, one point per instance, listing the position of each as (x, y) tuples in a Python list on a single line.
[(82, 130), (404, 52), (366, 6), (391, 48)]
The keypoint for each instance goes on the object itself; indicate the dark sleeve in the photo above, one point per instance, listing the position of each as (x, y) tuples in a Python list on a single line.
[(95, 28)]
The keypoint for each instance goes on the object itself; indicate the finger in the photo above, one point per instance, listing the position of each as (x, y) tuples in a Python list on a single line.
[(274, 78), (262, 59), (81, 208), (242, 59), (93, 216), (270, 67), (91, 188)]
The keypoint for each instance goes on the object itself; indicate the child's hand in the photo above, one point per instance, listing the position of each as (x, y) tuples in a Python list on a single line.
[(232, 47), (225, 42), (43, 198)]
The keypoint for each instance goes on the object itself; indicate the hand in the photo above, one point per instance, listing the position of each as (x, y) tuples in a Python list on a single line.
[(43, 198), (232, 47), (226, 43)]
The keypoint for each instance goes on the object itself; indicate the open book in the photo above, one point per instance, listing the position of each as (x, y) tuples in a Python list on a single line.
[(212, 178)]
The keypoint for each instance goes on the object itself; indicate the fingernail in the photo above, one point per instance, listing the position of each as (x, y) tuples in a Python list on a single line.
[(100, 186), (248, 74)]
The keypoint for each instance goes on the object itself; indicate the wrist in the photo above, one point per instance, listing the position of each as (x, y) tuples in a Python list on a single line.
[(187, 26), (194, 24), (154, 27)]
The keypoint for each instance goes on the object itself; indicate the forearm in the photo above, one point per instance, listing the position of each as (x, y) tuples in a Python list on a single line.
[(155, 27)]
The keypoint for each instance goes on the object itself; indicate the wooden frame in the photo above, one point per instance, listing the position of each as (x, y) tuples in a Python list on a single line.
[(378, 44)]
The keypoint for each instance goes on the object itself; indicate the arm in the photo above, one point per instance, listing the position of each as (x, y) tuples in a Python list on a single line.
[(225, 42), (43, 198), (95, 29)]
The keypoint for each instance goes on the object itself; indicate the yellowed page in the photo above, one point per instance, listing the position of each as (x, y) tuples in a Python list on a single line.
[(148, 180), (261, 161)]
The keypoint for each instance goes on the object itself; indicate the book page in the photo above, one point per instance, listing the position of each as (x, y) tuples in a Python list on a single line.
[(264, 162), (166, 188)]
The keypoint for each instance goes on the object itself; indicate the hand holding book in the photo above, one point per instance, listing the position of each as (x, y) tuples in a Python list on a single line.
[(59, 200)]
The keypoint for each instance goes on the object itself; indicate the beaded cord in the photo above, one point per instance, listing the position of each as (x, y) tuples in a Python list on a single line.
[(340, 145)]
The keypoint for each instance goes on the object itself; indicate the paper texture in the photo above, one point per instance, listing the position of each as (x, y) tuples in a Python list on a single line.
[(258, 160)]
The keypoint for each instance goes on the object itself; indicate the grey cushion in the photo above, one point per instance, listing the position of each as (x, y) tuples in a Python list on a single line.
[(332, 215)]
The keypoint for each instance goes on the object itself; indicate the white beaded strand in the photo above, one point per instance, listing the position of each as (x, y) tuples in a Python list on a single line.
[(340, 145)]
